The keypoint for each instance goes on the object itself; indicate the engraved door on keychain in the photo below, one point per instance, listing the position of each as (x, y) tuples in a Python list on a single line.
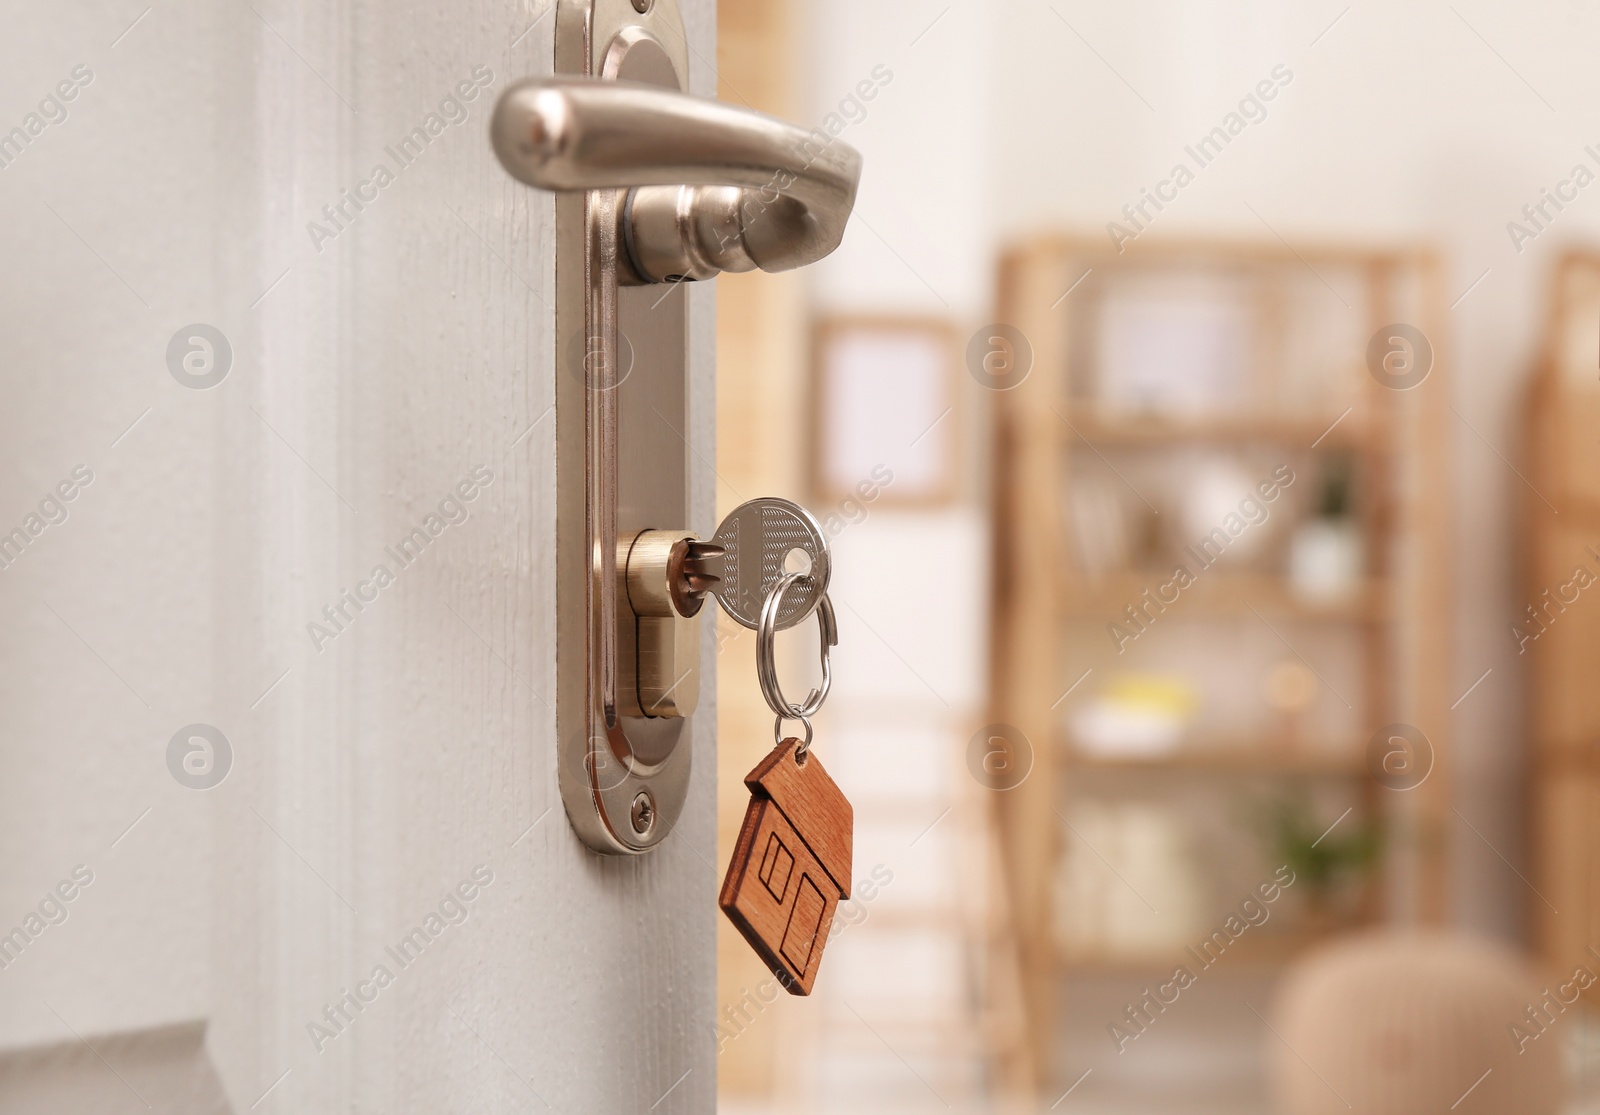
[(782, 886), (791, 864)]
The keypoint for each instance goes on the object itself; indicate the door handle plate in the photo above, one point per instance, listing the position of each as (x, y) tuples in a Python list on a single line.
[(622, 467), (653, 187)]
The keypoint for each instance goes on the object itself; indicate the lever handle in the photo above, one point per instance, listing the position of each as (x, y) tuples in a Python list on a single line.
[(712, 188)]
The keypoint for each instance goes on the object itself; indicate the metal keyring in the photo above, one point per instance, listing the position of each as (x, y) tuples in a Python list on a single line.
[(766, 658), (779, 737)]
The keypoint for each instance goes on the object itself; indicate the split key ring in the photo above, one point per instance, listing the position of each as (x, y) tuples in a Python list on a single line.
[(767, 665)]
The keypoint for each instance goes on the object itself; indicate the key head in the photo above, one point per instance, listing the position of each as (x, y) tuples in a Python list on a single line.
[(789, 869), (759, 540)]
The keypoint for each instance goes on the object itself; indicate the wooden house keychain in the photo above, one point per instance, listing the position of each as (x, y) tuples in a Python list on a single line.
[(791, 864)]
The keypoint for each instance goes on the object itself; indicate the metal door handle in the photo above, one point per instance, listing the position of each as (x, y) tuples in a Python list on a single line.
[(651, 186), (712, 188)]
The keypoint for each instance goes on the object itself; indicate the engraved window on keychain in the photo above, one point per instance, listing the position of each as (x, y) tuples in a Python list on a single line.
[(791, 864)]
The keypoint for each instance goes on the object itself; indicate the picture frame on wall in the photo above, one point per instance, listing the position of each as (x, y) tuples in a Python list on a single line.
[(885, 409)]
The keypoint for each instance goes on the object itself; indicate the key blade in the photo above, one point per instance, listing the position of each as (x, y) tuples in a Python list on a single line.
[(694, 570), (700, 583), (702, 564)]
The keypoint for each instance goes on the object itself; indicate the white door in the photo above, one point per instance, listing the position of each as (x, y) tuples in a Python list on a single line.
[(277, 505)]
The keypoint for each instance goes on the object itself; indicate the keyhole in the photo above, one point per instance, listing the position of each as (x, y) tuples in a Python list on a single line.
[(797, 561)]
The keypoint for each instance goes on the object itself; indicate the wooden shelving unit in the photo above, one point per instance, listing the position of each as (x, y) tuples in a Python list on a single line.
[(1308, 397), (1263, 757), (1249, 956), (1223, 594), (1112, 429), (1563, 643)]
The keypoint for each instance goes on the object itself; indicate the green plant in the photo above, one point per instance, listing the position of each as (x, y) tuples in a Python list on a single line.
[(1336, 497), (1320, 856)]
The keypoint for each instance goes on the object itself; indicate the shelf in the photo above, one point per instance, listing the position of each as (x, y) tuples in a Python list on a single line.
[(1054, 444), (1111, 428), (1256, 950), (1258, 758), (1213, 593)]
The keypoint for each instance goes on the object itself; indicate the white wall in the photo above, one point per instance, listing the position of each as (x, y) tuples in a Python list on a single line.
[(1405, 121), (920, 240)]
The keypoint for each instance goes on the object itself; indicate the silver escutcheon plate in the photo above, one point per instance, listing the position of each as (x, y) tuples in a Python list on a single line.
[(621, 457)]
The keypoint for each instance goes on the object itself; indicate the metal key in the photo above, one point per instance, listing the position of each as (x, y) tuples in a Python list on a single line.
[(665, 576), (758, 543), (791, 865)]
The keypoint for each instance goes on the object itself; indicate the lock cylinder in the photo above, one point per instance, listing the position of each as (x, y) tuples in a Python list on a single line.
[(665, 578), (668, 572)]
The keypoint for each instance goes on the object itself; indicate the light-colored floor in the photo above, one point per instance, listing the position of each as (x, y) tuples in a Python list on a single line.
[(1204, 1056)]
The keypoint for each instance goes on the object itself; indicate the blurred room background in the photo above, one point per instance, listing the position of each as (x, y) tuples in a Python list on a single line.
[(1202, 407)]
